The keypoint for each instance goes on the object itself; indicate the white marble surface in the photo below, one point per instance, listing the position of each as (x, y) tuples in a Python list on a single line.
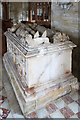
[(46, 63), (48, 67)]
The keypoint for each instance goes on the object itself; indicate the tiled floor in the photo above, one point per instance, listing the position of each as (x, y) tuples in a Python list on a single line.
[(65, 107), (61, 108)]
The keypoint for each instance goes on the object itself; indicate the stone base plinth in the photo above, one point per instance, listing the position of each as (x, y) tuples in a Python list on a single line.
[(32, 99)]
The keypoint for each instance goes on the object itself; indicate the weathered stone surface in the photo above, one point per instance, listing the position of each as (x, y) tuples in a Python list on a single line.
[(45, 60), (65, 20), (39, 71), (37, 100), (58, 37)]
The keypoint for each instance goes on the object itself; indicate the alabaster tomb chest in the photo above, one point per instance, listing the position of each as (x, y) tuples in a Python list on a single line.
[(37, 64), (41, 63)]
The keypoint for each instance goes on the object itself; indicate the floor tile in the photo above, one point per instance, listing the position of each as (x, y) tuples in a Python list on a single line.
[(67, 112), (32, 115), (2, 99), (67, 99), (3, 93), (1, 88), (60, 103), (5, 104), (10, 115), (1, 112), (51, 108), (17, 116), (0, 118), (74, 107), (74, 95), (5, 112), (78, 101), (78, 114), (74, 116), (57, 114), (42, 113)]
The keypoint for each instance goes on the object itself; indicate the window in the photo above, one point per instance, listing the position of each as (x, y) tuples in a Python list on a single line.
[(40, 11)]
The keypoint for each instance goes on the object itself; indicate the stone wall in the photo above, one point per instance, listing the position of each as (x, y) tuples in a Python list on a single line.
[(66, 20)]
